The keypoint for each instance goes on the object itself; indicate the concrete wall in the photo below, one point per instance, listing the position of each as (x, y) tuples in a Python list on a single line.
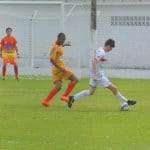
[(132, 42)]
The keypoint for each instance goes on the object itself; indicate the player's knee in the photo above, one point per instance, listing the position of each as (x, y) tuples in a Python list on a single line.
[(114, 89), (73, 78), (4, 65)]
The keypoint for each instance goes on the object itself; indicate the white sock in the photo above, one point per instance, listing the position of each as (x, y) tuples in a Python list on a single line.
[(81, 94), (121, 97)]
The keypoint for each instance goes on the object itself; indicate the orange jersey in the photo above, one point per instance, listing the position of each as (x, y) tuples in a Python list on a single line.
[(8, 44), (56, 53)]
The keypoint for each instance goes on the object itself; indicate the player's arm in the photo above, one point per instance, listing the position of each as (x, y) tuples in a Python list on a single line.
[(54, 63), (1, 47), (53, 54), (67, 44), (96, 60), (0, 51), (101, 59), (17, 51), (100, 56), (94, 65), (16, 48)]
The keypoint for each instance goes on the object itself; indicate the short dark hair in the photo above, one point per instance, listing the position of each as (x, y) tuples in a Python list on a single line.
[(61, 38), (9, 29), (61, 34), (110, 42)]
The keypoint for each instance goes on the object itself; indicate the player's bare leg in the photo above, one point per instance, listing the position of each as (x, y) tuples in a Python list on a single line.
[(4, 67), (124, 101), (48, 100), (83, 93), (73, 81), (16, 71)]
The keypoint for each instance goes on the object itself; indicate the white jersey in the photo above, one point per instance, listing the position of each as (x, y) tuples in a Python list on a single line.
[(100, 53)]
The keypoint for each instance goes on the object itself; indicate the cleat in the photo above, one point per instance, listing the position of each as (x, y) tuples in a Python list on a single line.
[(65, 98), (45, 103), (124, 107), (71, 101), (131, 102)]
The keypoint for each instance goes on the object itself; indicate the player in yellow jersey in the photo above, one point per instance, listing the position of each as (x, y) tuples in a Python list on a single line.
[(59, 71)]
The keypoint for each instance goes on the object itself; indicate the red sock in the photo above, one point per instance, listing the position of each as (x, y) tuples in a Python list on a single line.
[(16, 71), (70, 87), (4, 70), (52, 93)]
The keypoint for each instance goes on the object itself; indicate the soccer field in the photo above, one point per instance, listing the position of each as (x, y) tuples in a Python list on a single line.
[(95, 123)]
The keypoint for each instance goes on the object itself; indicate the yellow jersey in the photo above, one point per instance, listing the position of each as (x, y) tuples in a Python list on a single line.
[(56, 54)]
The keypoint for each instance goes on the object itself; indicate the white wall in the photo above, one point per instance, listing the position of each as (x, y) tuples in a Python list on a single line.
[(132, 42)]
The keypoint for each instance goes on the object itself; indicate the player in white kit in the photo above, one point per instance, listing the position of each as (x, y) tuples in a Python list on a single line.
[(98, 78)]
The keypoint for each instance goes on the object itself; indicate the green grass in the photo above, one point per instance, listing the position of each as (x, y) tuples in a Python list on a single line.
[(95, 123)]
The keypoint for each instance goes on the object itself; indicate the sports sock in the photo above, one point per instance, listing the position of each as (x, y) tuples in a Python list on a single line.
[(51, 94), (81, 94), (70, 87), (121, 97)]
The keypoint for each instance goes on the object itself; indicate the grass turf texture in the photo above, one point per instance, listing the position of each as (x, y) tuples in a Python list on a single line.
[(95, 123)]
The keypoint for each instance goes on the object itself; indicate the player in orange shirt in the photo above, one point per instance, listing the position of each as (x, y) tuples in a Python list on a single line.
[(9, 53), (59, 71)]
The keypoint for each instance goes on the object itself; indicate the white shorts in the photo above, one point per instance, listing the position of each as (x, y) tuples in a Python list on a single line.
[(101, 81)]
